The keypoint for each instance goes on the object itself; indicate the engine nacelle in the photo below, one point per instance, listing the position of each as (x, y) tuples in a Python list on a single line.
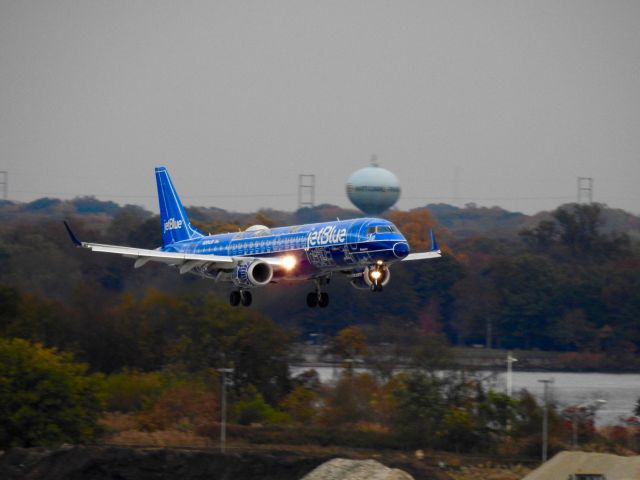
[(256, 273), (359, 283), (365, 281)]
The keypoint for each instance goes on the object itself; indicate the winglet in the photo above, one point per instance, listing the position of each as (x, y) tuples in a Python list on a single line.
[(74, 239), (434, 242)]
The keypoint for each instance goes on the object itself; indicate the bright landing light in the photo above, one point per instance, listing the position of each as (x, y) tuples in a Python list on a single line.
[(289, 262), (376, 274)]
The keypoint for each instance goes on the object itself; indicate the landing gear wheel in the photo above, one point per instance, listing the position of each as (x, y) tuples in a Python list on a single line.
[(376, 287), (312, 299), (246, 298), (323, 301), (234, 298)]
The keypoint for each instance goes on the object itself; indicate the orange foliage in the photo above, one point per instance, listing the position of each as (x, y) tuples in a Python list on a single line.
[(415, 226), (184, 406)]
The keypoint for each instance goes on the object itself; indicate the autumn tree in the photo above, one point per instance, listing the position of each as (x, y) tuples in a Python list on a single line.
[(415, 226), (45, 397), (350, 401), (350, 343), (301, 404)]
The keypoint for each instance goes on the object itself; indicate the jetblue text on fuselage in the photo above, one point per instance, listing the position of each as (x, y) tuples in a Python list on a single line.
[(326, 235)]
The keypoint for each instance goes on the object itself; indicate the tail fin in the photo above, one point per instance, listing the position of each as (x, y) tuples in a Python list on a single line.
[(173, 218)]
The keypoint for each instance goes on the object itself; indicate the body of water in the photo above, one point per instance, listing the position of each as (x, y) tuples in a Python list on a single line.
[(620, 391)]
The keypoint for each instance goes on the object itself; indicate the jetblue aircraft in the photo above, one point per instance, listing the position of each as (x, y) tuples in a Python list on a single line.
[(362, 248)]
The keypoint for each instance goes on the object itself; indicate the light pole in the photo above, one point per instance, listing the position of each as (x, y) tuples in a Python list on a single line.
[(510, 360), (545, 418), (223, 408)]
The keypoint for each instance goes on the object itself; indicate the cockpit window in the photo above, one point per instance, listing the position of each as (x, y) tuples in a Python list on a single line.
[(371, 230), (384, 229)]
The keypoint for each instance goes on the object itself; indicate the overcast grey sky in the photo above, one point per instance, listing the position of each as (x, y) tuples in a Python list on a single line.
[(515, 99)]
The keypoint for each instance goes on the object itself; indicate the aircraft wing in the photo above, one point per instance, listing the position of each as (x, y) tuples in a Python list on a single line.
[(186, 261), (433, 253), (422, 256)]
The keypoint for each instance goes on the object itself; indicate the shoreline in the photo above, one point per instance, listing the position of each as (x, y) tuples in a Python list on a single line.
[(469, 358)]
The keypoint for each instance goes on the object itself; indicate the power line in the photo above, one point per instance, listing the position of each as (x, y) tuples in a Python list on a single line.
[(205, 195)]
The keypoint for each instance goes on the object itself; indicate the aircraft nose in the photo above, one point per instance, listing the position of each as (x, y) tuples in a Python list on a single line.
[(401, 249)]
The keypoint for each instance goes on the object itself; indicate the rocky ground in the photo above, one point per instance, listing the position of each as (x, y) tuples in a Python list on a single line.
[(124, 463), (127, 463)]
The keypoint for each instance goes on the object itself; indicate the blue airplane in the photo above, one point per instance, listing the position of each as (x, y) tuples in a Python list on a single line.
[(362, 248)]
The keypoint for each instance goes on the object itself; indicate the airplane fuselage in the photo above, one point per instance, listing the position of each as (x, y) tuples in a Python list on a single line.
[(317, 248), (362, 249)]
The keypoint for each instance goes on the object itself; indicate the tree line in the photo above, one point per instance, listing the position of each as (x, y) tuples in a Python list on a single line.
[(566, 283), (149, 341)]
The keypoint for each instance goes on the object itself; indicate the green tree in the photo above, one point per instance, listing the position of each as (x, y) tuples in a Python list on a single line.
[(350, 402), (498, 412), (421, 408), (300, 404), (527, 289), (252, 408), (210, 333), (350, 343), (45, 397)]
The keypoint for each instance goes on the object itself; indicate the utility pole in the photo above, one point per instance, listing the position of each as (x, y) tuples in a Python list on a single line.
[(489, 334), (223, 408), (510, 360), (545, 419)]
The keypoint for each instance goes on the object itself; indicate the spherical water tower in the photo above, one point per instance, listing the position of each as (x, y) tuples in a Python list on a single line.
[(373, 189)]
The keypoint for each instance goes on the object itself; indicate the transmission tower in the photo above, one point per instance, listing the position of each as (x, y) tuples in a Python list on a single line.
[(585, 189), (5, 184), (306, 190)]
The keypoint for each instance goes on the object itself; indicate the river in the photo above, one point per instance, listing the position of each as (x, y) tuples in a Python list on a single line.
[(620, 391)]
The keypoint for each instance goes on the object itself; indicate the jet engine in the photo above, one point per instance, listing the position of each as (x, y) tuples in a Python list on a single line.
[(367, 279), (254, 273)]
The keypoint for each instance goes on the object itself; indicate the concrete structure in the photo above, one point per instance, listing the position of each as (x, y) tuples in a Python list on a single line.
[(569, 465)]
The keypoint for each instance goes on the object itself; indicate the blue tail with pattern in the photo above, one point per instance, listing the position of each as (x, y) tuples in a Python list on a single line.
[(173, 218)]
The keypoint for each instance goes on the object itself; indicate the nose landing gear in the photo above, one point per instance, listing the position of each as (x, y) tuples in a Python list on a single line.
[(377, 275)]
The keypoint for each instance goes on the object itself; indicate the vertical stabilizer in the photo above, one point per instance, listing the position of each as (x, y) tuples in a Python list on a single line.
[(173, 218)]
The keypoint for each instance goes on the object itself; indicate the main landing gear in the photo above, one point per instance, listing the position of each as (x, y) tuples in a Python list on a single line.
[(318, 298), (238, 297)]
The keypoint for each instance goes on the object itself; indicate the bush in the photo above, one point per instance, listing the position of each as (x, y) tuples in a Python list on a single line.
[(131, 391), (185, 407), (256, 410), (296, 435), (45, 397)]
